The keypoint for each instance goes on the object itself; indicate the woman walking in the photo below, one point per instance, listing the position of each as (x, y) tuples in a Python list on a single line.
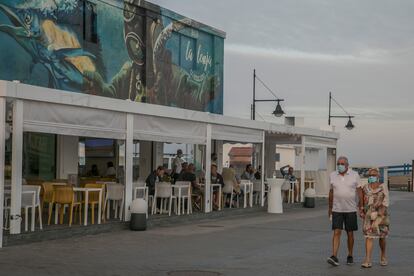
[(375, 215)]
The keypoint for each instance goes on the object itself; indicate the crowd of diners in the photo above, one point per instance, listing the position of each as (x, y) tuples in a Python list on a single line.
[(184, 171)]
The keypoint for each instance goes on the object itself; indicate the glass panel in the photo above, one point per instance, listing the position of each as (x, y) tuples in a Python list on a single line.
[(39, 156), (95, 154)]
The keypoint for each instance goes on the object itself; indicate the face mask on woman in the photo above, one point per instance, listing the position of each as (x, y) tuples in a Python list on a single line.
[(372, 179)]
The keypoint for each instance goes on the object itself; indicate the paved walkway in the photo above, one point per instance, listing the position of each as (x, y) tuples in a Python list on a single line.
[(295, 243)]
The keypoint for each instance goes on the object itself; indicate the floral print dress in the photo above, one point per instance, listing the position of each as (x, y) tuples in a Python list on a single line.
[(376, 221)]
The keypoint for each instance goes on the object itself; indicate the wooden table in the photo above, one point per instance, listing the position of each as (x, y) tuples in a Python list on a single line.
[(86, 191)]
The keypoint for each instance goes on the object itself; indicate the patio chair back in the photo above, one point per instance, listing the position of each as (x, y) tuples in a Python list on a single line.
[(114, 191), (139, 183), (63, 195), (228, 174), (27, 198), (228, 186), (163, 190), (257, 186), (47, 192), (94, 196), (243, 183), (184, 191)]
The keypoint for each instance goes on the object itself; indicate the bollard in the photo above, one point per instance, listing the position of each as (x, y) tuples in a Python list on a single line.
[(139, 209)]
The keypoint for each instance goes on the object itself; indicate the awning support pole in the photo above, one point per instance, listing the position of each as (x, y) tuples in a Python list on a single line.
[(129, 148), (302, 169), (262, 196), (207, 203), (17, 160), (2, 154)]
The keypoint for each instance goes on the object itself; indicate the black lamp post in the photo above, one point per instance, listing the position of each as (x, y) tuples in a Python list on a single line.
[(349, 125), (278, 112)]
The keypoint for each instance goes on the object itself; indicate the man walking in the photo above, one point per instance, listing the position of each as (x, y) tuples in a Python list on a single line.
[(345, 187)]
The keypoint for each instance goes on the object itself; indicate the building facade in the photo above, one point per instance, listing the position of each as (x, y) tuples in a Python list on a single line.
[(131, 50)]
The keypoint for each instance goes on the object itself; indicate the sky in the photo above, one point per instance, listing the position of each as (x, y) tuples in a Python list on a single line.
[(361, 51)]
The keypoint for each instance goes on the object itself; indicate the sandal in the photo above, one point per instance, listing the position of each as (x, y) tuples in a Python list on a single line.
[(366, 265), (384, 263)]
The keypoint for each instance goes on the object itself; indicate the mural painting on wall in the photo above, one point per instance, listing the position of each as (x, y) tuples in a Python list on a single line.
[(126, 52)]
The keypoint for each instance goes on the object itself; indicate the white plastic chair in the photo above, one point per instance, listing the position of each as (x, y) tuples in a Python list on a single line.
[(163, 191), (185, 187), (31, 199), (257, 191), (247, 187), (291, 192), (141, 191), (229, 189), (114, 193)]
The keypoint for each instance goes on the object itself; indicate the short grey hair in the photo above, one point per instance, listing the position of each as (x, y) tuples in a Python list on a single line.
[(343, 158)]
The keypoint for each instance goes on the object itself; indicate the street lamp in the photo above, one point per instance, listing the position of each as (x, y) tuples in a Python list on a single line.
[(348, 125), (278, 110)]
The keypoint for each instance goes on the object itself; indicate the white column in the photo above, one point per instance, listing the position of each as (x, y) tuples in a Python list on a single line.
[(67, 156), (263, 170), (129, 151), (385, 176), (2, 154), (207, 203), (219, 151), (17, 158), (302, 169)]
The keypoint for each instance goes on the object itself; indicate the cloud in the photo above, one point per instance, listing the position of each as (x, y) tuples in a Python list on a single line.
[(365, 56)]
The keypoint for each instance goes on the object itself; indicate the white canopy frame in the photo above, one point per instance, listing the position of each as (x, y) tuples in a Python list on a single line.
[(304, 142), (60, 112)]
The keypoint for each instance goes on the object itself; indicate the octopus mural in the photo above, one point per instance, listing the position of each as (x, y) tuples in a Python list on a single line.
[(132, 50)]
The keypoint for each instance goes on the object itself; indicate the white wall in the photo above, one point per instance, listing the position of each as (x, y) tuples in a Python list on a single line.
[(67, 156), (287, 156)]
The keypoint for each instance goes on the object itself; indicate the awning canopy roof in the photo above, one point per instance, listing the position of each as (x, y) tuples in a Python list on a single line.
[(67, 113)]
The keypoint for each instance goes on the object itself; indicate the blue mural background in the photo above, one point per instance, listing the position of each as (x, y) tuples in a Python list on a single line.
[(128, 50)]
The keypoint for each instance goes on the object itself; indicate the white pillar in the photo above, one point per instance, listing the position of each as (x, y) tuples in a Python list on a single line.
[(207, 203), (263, 170), (302, 169), (385, 176), (2, 154), (67, 156), (129, 151), (17, 157), (219, 152)]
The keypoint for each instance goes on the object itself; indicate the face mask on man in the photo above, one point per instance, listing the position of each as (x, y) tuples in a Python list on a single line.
[(341, 168), (372, 179)]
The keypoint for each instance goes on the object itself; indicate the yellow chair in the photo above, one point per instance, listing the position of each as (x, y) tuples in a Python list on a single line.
[(46, 194), (93, 199), (65, 195)]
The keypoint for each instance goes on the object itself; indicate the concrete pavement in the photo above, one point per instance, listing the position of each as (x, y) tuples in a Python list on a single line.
[(295, 243)]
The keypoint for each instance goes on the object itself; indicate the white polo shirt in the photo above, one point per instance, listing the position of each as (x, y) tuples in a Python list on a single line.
[(345, 191)]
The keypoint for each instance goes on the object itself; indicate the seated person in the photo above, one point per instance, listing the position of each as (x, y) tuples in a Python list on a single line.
[(155, 176), (216, 178), (248, 174), (189, 175), (230, 178), (94, 171), (184, 169), (288, 176), (110, 171), (258, 174)]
